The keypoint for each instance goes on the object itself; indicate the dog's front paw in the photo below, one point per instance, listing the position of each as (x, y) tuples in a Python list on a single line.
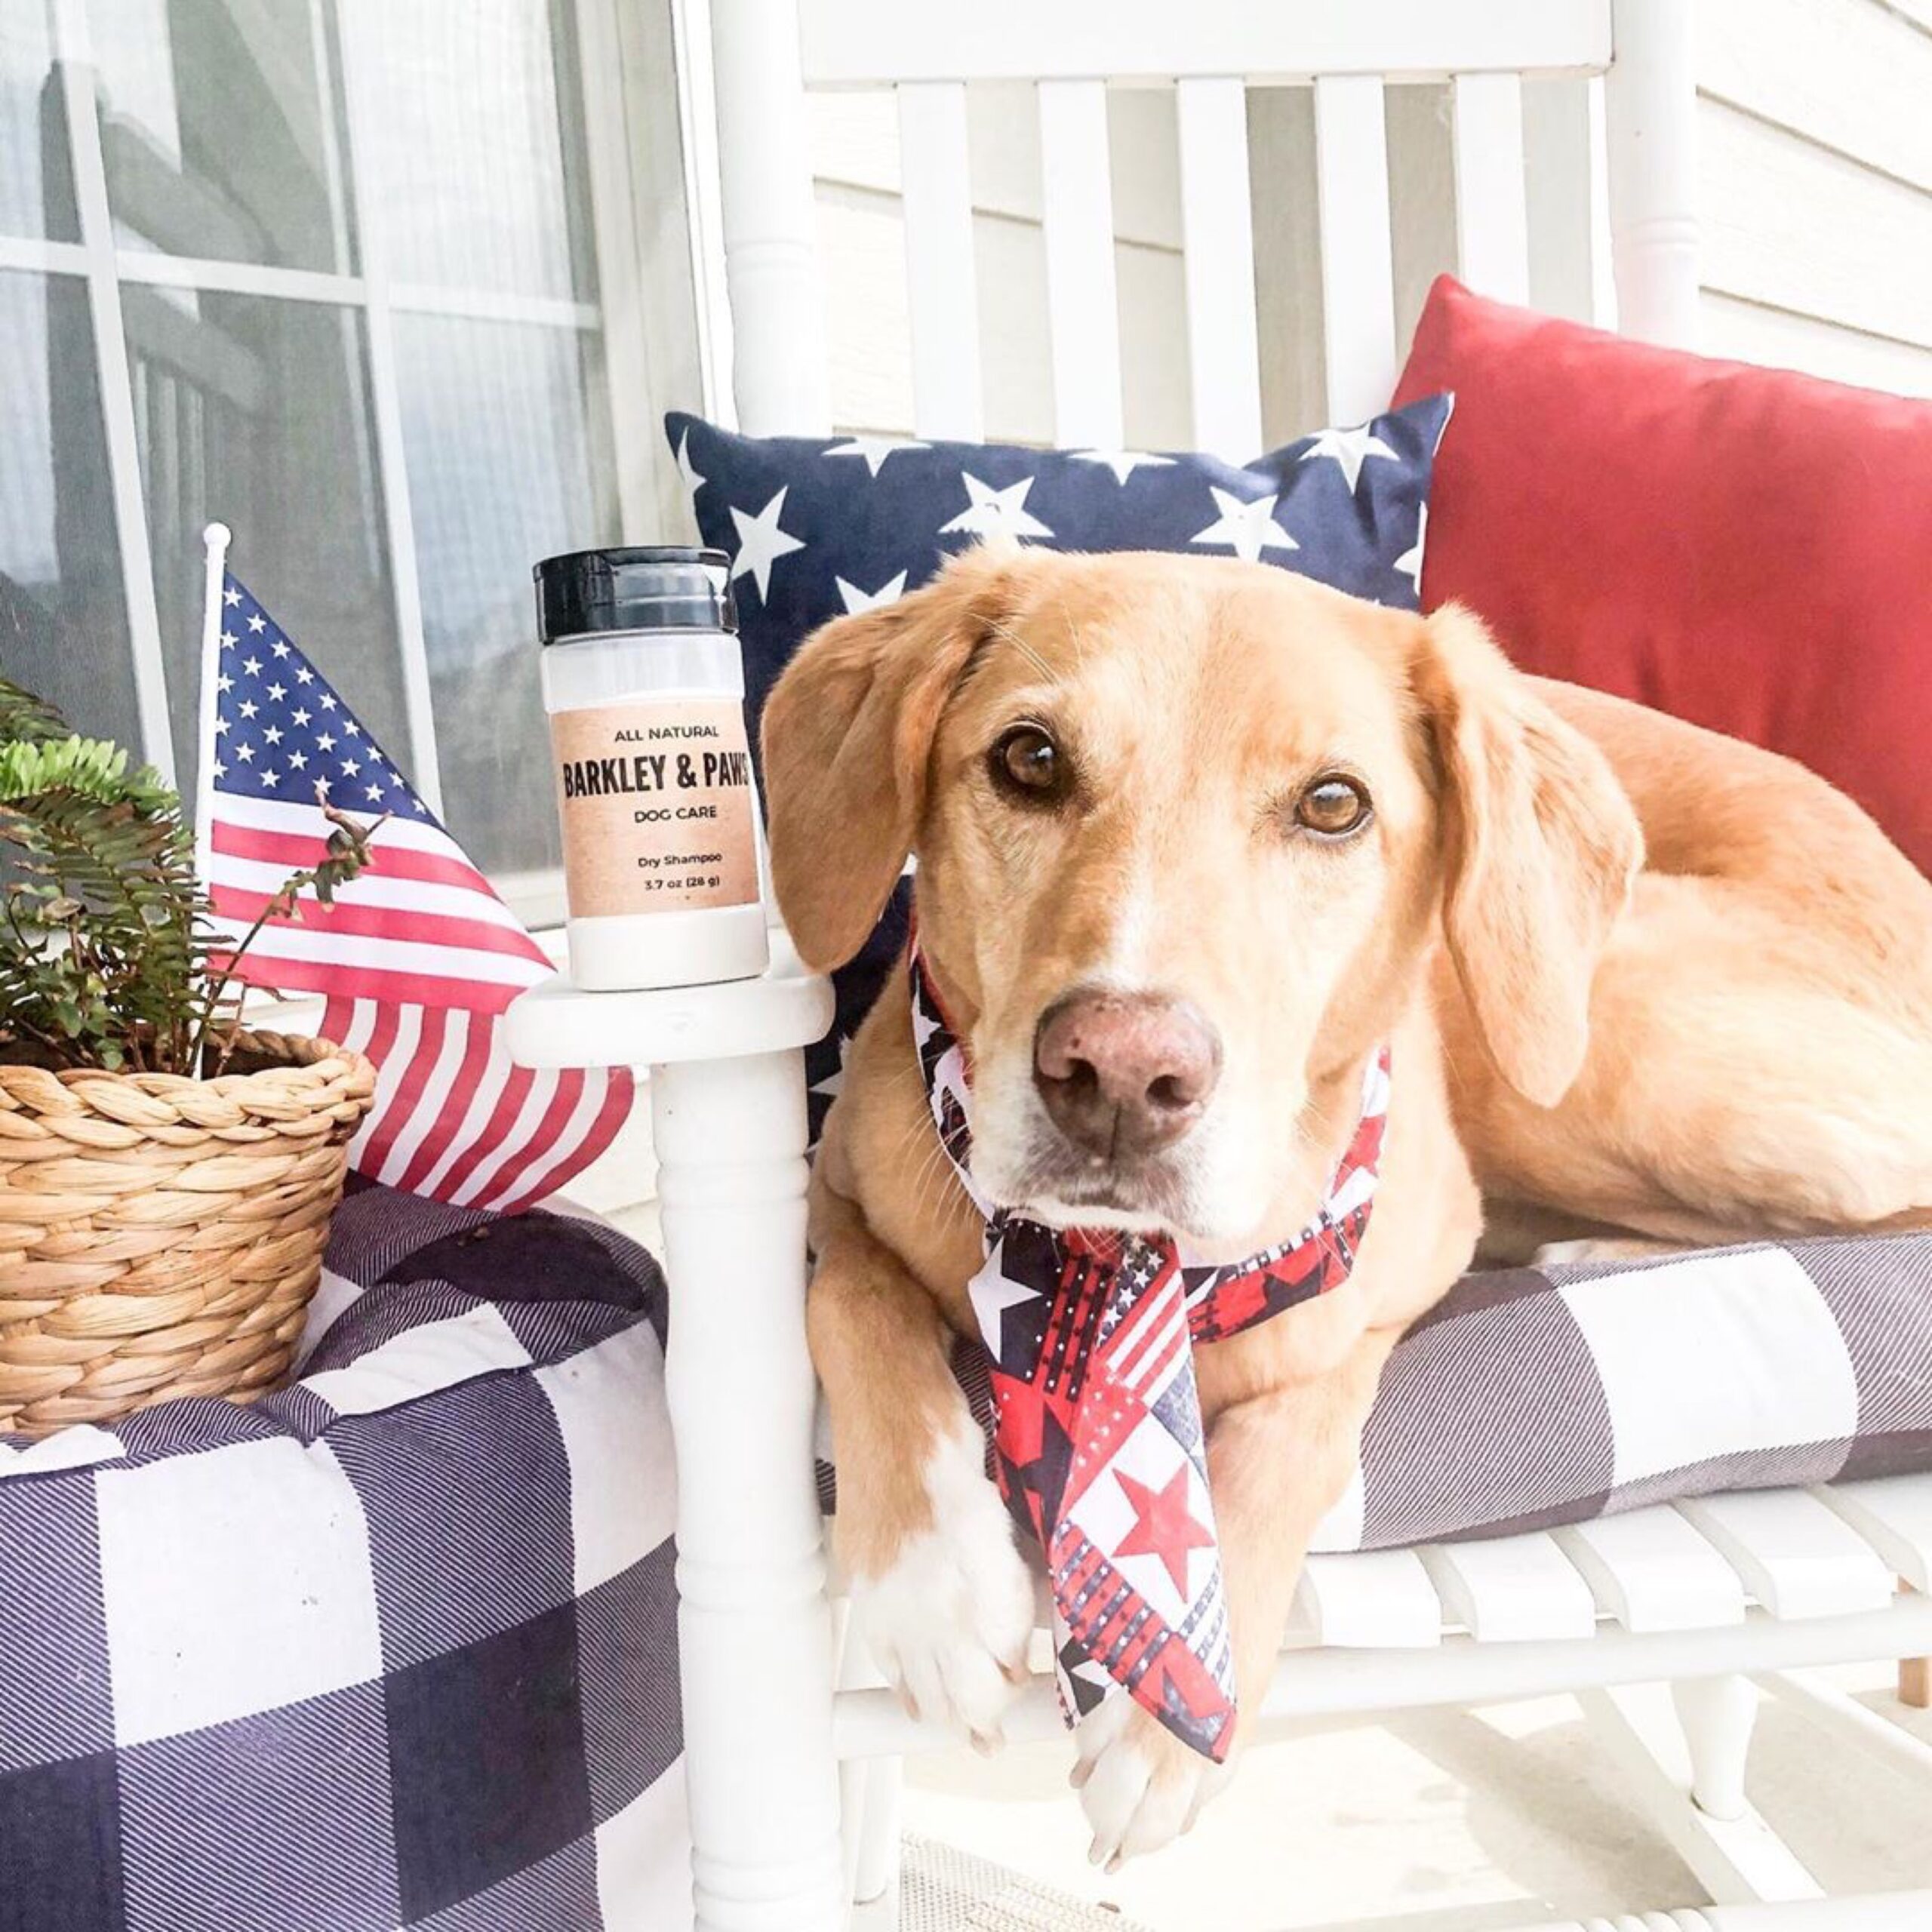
[(948, 1620), (1140, 1787)]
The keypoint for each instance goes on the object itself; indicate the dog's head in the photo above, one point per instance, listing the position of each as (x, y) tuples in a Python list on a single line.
[(1186, 830)]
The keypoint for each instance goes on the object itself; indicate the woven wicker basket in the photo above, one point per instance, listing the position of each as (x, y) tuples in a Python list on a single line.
[(161, 1236)]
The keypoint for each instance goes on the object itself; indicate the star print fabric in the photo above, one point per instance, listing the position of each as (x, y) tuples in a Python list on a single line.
[(818, 527)]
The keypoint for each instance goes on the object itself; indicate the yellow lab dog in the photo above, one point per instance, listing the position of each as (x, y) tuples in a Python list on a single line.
[(1196, 840)]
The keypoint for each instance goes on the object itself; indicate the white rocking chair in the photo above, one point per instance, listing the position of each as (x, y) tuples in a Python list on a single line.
[(1665, 1623)]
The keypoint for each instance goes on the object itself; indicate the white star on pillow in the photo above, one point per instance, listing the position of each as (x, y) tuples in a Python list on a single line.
[(1247, 529), (761, 543), (1351, 448), (990, 513)]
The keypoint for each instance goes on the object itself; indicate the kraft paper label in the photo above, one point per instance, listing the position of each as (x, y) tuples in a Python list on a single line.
[(656, 801)]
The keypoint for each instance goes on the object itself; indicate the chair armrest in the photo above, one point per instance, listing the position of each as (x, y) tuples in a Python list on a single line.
[(556, 1024)]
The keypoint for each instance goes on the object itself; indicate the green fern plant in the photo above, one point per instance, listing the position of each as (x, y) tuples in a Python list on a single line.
[(109, 956)]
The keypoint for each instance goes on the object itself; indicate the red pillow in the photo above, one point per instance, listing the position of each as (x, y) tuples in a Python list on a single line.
[(1748, 548)]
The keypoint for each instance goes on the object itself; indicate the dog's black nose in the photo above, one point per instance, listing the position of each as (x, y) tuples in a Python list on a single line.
[(1123, 1073)]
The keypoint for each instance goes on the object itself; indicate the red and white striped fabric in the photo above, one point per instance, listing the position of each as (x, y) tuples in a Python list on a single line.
[(416, 960)]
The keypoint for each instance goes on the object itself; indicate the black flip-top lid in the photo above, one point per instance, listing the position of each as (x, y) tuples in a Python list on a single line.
[(660, 587)]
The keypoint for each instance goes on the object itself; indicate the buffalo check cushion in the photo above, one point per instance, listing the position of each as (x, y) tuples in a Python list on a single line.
[(394, 1648), (1534, 1396), (397, 1646), (818, 528)]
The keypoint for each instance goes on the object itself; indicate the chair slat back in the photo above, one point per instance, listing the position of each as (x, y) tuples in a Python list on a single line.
[(1218, 259), (1492, 214), (1211, 53), (1077, 220), (1358, 270), (941, 283)]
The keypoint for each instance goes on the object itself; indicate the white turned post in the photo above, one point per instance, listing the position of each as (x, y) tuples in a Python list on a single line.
[(1717, 1714), (754, 1626), (1650, 106), (765, 179)]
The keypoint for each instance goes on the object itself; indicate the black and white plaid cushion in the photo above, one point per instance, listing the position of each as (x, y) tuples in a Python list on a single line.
[(1530, 1397), (1536, 1396), (395, 1648)]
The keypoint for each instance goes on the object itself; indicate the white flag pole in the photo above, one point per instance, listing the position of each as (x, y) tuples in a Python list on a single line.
[(215, 540)]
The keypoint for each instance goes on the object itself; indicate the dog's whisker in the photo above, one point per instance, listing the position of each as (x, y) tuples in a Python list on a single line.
[(1026, 650)]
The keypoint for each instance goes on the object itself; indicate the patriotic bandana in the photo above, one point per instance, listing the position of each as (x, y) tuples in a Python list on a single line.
[(1098, 1445)]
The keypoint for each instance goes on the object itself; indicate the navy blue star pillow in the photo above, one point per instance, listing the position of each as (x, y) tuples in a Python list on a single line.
[(815, 529)]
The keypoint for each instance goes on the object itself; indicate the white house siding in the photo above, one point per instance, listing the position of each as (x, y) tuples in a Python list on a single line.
[(1815, 190)]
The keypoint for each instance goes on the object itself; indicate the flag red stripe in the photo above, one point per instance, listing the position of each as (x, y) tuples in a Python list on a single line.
[(337, 1017), (294, 850), (282, 975), (375, 1049), (345, 919), (575, 1157), (408, 1093), (556, 1117), (484, 1148), (475, 1060), (388, 1023)]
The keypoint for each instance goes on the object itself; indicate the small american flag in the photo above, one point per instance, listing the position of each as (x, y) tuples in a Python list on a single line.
[(417, 959)]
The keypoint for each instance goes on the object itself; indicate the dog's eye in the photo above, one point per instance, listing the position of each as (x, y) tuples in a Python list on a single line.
[(1025, 759), (1333, 807)]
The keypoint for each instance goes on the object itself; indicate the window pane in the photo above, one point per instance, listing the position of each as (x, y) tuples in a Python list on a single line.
[(221, 125), (257, 412), (501, 472), (63, 618), (36, 181), (478, 126)]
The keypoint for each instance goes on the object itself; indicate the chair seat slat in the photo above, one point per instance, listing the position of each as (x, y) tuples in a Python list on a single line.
[(1795, 1555), (1651, 1570), (1373, 1599), (1512, 1589), (1894, 1514)]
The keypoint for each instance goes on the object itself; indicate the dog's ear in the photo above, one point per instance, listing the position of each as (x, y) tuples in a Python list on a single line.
[(847, 735), (1541, 847)]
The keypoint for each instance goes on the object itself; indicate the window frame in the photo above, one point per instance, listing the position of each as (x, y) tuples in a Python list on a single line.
[(635, 111)]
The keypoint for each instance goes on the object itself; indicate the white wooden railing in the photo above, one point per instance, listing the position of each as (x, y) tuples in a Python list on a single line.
[(768, 55)]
